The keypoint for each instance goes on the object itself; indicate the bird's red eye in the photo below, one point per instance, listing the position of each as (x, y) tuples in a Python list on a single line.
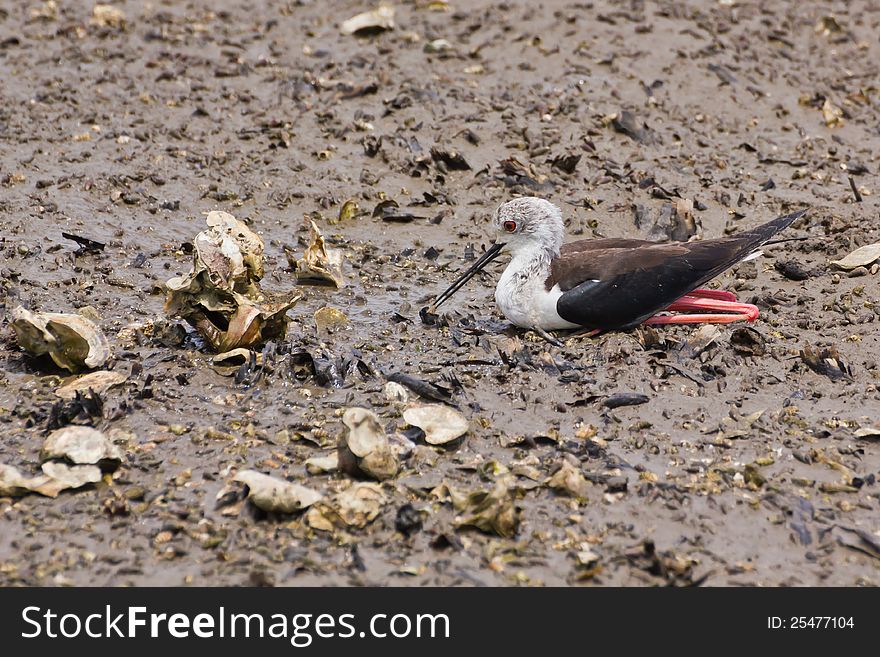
[(509, 226)]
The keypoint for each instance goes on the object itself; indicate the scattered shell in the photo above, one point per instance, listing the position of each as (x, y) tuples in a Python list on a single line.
[(627, 123), (13, 483), (229, 362), (828, 25), (493, 511), (108, 16), (700, 340), (364, 447), (586, 558), (356, 506), (747, 341), (793, 270), (221, 295), (360, 504), (826, 361), (98, 382), (349, 210), (232, 252), (322, 464), (861, 257), (72, 476), (81, 446), (72, 341), (365, 431), (868, 432), (451, 158), (253, 324), (832, 115), (568, 479), (319, 264), (48, 11), (394, 392), (567, 163), (856, 538), (438, 46), (441, 424), (676, 221), (328, 318), (276, 495), (159, 331), (369, 22)]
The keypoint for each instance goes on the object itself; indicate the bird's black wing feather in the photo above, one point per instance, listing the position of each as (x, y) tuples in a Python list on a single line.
[(612, 285)]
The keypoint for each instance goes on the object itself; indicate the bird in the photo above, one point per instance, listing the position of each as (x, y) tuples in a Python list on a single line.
[(610, 284)]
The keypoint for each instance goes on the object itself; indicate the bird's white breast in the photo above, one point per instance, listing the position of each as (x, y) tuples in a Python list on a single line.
[(524, 299)]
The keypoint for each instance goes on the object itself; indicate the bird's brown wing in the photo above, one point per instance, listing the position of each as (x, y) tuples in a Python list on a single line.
[(617, 284)]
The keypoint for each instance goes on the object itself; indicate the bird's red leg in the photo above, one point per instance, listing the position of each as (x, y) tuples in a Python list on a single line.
[(585, 333), (710, 308), (721, 295), (694, 318), (688, 303)]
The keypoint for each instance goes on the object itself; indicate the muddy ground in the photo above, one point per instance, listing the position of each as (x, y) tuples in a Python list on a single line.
[(744, 467)]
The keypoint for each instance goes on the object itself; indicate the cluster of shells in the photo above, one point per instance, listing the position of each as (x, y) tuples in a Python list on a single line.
[(220, 297)]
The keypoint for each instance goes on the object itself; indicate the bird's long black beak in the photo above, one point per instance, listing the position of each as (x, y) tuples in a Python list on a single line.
[(490, 254)]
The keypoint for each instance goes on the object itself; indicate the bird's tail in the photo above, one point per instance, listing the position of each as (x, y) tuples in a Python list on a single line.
[(763, 234)]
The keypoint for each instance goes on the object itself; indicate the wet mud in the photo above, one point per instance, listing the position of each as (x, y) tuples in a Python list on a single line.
[(670, 456)]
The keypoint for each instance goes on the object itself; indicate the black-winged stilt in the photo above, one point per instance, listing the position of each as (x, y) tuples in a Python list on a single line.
[(610, 284)]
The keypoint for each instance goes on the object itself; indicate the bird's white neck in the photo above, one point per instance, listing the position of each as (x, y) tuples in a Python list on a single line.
[(530, 261), (521, 293)]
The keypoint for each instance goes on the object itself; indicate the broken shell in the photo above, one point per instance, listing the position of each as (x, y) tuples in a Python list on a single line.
[(221, 295), (249, 244), (349, 210), (72, 476), (321, 464), (72, 341), (364, 448), (81, 446), (868, 432), (327, 318), (229, 362), (438, 46), (441, 424), (861, 257), (700, 340), (365, 432), (56, 477), (826, 361), (227, 256), (828, 25), (380, 464), (276, 495), (356, 506), (747, 341), (493, 511), (360, 504), (319, 264), (253, 324), (568, 479), (394, 392), (369, 22), (107, 16), (13, 483), (98, 382), (832, 115)]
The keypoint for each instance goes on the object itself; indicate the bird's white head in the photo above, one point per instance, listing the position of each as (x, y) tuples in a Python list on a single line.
[(529, 224)]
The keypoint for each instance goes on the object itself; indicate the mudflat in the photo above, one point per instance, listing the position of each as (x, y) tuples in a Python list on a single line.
[(728, 456)]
